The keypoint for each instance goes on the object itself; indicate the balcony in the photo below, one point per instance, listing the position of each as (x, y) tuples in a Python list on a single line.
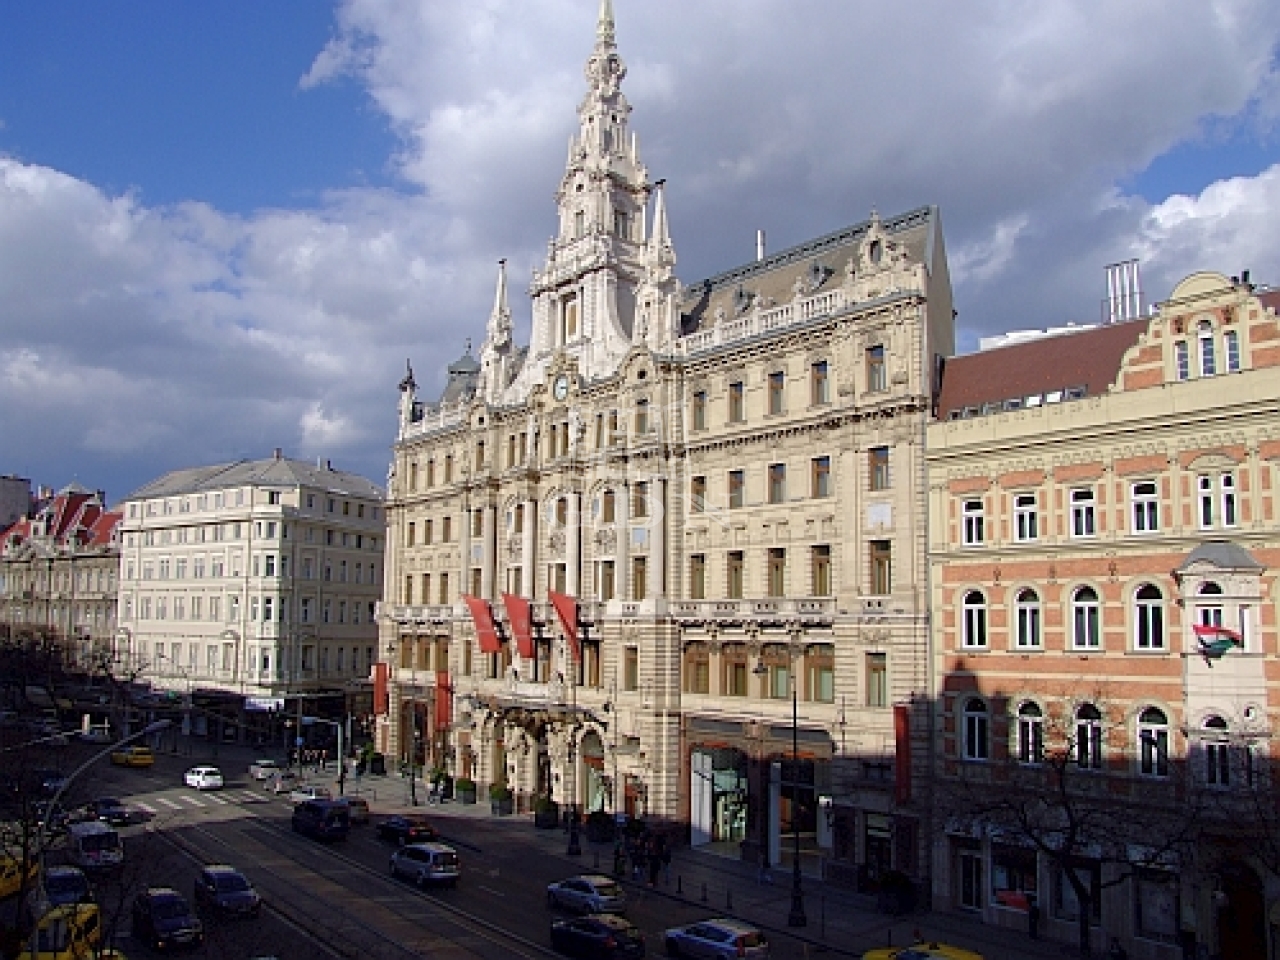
[(416, 613), (812, 611)]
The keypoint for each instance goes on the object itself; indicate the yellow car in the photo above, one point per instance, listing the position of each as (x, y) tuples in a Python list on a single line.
[(11, 875), (70, 932), (133, 757), (925, 950)]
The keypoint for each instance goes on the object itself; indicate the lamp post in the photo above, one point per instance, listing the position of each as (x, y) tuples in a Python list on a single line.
[(796, 916)]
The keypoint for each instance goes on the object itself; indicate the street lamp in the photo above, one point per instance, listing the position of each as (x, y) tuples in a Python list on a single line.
[(796, 916)]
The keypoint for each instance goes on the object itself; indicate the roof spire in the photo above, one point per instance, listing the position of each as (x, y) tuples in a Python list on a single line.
[(605, 35), (498, 333), (661, 236)]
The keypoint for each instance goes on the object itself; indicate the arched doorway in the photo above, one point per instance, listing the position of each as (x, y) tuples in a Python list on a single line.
[(592, 791), (1241, 913)]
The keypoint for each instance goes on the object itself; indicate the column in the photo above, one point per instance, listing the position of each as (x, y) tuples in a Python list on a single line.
[(528, 548), (622, 570), (573, 546), (464, 547), (489, 558), (657, 541)]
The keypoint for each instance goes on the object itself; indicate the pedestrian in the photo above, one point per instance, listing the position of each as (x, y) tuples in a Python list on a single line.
[(1033, 917)]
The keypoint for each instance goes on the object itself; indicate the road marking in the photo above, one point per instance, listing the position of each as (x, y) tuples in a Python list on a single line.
[(496, 893), (171, 804), (194, 801), (216, 799), (147, 807)]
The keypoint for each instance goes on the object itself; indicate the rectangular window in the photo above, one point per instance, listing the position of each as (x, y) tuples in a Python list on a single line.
[(700, 410), (777, 387), (640, 500), (878, 467), (1146, 507), (1182, 360), (1232, 341), (444, 588), (735, 676), (606, 580), (476, 575), (477, 523), (1026, 517), (737, 488), (642, 417), (876, 379), (446, 529), (881, 553), (877, 679), (631, 668), (698, 495), (819, 383), (820, 479), (973, 521), (697, 576), (737, 402), (735, 574), (639, 577), (777, 572), (426, 588), (777, 482), (1083, 518), (408, 590), (820, 558)]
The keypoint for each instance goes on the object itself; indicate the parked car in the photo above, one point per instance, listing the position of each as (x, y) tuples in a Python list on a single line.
[(62, 885), (357, 809), (204, 778), (598, 935), (224, 889), (163, 920), (722, 937), (426, 863), (263, 769), (312, 792), (408, 828), (922, 951), (590, 893), (134, 756), (282, 781)]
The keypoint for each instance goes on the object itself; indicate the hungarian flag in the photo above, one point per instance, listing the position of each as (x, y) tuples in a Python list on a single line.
[(566, 608), (1215, 640), (520, 615), (486, 632)]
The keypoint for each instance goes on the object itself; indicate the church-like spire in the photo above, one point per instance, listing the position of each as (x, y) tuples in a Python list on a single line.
[(499, 332), (660, 236), (605, 36)]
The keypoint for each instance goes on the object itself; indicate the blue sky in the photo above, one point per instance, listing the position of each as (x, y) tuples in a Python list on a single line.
[(226, 225)]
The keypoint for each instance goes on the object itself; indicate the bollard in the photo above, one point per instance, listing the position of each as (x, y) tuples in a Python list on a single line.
[(704, 891)]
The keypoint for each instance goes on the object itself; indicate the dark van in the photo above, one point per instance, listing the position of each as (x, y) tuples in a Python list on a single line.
[(322, 819)]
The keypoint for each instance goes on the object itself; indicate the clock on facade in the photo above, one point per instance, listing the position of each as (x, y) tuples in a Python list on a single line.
[(561, 388)]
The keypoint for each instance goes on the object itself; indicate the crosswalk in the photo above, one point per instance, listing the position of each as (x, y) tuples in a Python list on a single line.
[(186, 801)]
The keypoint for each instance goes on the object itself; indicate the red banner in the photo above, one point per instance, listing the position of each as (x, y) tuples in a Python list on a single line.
[(1211, 631), (486, 632), (520, 614), (380, 704), (566, 608), (444, 700), (902, 756)]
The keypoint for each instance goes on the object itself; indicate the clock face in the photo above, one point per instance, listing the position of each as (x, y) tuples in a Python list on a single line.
[(561, 388)]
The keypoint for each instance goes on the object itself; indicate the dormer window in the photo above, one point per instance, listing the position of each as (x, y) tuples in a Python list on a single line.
[(622, 225)]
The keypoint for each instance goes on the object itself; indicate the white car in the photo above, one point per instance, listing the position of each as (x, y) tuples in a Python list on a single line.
[(303, 794), (204, 778)]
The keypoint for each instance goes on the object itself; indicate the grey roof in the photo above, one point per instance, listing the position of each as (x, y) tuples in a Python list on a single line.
[(270, 472), (464, 376), (1222, 554)]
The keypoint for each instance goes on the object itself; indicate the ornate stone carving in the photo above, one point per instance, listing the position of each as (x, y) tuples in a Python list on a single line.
[(607, 540), (556, 543)]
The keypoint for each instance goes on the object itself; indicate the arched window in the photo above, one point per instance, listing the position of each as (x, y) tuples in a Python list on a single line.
[(1148, 618), (1027, 605), (1089, 737), (1153, 743), (1217, 753), (1030, 733), (974, 627), (977, 730), (1086, 633), (1209, 610)]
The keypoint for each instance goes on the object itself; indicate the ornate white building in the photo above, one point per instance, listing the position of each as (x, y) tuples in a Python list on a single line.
[(725, 480)]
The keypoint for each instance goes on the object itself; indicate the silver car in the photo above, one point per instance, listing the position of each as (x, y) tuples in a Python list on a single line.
[(590, 893), (425, 863), (722, 937)]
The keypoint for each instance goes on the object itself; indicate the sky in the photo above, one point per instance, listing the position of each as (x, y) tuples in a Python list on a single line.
[(225, 227)]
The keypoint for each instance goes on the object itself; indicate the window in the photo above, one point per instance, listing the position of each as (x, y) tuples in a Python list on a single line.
[(972, 522), (820, 470), (608, 508), (700, 410), (777, 385), (881, 555), (974, 620), (737, 402), (777, 482), (642, 417), (1148, 618), (1204, 337), (777, 572), (427, 529), (1088, 737), (819, 383), (480, 460), (737, 488), (1027, 612), (444, 588), (446, 529), (1026, 517), (697, 576), (977, 730), (735, 574), (877, 679), (1145, 502), (1030, 734), (734, 660), (878, 467), (640, 500), (1217, 500), (1153, 743), (639, 578), (1217, 753), (698, 495), (777, 673), (1082, 513), (631, 668), (1231, 340), (820, 557), (561, 512), (1182, 360), (606, 580), (876, 379), (697, 668), (1085, 627)]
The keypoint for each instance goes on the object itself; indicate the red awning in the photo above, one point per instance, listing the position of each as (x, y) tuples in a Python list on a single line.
[(566, 608), (486, 632), (444, 700), (380, 701), (520, 614)]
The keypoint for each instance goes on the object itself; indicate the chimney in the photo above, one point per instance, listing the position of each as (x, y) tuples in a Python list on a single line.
[(279, 454), (759, 244)]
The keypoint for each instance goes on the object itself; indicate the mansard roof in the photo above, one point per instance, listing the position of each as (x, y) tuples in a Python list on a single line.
[(1068, 366), (464, 375), (269, 472)]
